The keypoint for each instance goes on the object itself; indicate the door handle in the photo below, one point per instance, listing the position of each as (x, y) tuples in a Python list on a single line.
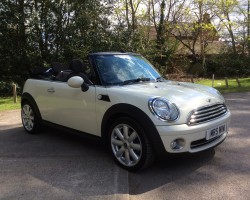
[(51, 90)]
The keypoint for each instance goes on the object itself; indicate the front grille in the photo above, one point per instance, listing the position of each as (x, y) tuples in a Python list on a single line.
[(206, 113)]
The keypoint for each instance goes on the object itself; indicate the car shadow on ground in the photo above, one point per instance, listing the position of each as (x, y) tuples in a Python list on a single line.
[(172, 169), (83, 166), (162, 172)]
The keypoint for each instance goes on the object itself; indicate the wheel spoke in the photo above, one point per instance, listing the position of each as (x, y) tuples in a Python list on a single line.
[(127, 158), (133, 154), (32, 117), (25, 111), (125, 132), (117, 142), (30, 124), (30, 111), (119, 134), (26, 123), (120, 152), (132, 136), (135, 146)]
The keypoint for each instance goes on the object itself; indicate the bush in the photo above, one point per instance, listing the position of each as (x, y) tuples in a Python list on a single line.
[(6, 88), (227, 65)]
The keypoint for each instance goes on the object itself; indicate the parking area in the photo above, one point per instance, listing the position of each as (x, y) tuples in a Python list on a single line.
[(59, 165)]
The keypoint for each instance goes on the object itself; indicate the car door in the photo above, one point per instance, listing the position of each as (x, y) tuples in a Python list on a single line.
[(69, 107)]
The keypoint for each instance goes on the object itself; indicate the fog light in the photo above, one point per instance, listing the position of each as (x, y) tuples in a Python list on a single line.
[(178, 144)]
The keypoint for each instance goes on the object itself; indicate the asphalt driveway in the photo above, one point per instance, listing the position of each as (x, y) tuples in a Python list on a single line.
[(59, 165)]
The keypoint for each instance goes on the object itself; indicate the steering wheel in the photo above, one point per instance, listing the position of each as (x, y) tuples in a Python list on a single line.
[(109, 78)]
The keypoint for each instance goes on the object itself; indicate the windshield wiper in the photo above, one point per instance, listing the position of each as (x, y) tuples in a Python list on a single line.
[(160, 79), (135, 80)]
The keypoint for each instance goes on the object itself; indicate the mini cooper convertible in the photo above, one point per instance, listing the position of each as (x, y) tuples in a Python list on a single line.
[(121, 98)]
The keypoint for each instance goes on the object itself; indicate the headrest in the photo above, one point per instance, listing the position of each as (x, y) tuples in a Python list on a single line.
[(77, 66)]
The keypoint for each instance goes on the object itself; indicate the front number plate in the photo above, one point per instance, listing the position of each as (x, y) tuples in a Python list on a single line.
[(215, 132)]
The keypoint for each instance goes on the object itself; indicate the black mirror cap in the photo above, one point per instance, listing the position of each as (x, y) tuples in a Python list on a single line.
[(84, 87)]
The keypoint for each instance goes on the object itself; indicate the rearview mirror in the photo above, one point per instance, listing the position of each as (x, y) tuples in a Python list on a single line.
[(75, 82)]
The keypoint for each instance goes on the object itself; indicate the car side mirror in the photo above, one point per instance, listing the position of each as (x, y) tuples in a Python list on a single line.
[(77, 82)]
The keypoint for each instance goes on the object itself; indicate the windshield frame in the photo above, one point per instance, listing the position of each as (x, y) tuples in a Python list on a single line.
[(148, 67)]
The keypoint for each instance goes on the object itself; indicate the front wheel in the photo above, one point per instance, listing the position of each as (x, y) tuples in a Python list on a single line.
[(130, 145), (29, 118)]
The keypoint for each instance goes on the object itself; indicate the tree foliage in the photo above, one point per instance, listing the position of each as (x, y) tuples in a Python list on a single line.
[(38, 32)]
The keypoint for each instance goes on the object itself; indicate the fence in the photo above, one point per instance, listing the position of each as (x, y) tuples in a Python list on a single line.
[(192, 79)]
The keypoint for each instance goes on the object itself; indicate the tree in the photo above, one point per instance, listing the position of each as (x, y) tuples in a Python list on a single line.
[(13, 37), (226, 10), (37, 32)]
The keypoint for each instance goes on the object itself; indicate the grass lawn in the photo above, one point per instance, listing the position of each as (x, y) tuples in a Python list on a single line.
[(232, 85), (7, 103)]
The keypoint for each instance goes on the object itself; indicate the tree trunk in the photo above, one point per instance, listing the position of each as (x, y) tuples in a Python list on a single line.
[(248, 25), (133, 15), (230, 30), (161, 26), (203, 59), (127, 17)]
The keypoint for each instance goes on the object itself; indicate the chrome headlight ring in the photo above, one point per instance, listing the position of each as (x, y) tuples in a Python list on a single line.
[(163, 109)]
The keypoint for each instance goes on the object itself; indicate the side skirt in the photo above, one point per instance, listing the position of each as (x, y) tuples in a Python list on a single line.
[(81, 134)]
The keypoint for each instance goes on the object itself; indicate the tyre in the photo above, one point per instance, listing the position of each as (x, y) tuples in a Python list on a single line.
[(29, 118), (129, 145)]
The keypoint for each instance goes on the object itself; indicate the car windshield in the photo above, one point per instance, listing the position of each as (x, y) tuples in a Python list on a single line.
[(117, 69)]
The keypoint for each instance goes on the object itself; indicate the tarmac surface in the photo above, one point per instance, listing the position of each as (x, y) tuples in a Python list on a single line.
[(59, 165)]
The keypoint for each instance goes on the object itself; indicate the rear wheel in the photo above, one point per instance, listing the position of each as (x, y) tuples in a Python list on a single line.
[(129, 145), (29, 118)]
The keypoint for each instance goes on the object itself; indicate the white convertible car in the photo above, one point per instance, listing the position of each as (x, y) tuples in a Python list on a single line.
[(121, 98)]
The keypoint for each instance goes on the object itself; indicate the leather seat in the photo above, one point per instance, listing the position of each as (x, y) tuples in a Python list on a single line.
[(78, 69), (56, 68)]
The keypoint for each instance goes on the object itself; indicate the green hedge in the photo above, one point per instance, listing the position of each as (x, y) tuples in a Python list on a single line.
[(6, 88)]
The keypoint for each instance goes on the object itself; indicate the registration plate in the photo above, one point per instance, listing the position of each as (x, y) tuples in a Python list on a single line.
[(215, 132)]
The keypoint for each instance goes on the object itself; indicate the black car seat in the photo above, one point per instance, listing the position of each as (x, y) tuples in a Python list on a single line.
[(38, 72), (78, 69), (63, 75), (56, 68), (53, 71)]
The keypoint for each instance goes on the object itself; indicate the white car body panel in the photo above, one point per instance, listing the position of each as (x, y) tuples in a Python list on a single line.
[(191, 134), (83, 111), (185, 96), (101, 107), (66, 106)]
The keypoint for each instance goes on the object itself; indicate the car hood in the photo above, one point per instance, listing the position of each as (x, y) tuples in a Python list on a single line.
[(186, 96), (179, 93)]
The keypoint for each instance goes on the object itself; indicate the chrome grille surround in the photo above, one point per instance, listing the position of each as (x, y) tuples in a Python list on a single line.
[(206, 113)]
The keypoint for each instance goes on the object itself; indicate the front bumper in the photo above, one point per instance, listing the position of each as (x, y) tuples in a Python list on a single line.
[(194, 136)]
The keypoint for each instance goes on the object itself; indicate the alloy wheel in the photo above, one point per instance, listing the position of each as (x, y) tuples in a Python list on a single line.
[(126, 145), (28, 117)]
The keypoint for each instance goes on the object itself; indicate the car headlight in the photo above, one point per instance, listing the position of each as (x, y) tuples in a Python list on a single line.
[(163, 109)]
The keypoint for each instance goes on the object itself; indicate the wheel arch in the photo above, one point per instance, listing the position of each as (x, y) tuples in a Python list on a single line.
[(27, 97), (139, 116)]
